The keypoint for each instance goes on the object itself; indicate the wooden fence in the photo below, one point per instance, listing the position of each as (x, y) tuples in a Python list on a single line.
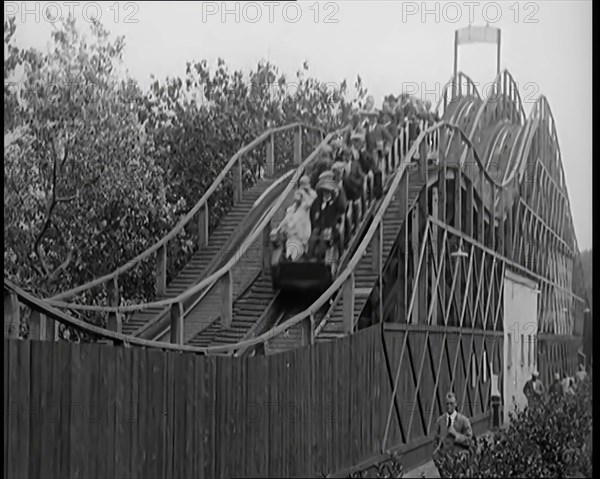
[(86, 410)]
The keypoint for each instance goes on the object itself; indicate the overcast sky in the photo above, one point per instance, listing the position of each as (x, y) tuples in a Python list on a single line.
[(393, 45)]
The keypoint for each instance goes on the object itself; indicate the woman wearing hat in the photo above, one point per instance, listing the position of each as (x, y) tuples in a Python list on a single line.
[(324, 214), (295, 227), (322, 164), (304, 185)]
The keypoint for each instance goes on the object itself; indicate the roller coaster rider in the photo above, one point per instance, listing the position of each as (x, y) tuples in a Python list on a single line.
[(325, 212), (375, 142), (322, 164)]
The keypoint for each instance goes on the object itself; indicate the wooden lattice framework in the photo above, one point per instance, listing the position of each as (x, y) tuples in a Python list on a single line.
[(497, 201)]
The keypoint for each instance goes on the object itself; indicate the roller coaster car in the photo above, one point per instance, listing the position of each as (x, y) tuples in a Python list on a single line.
[(304, 274)]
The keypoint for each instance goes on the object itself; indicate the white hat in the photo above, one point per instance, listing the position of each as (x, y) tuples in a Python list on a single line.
[(326, 181)]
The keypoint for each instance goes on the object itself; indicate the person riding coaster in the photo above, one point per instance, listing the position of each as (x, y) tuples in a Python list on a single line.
[(294, 230), (327, 209)]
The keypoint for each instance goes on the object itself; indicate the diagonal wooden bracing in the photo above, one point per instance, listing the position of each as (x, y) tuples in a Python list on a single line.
[(475, 228)]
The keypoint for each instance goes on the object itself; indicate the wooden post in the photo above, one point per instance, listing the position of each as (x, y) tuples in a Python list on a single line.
[(114, 319), (270, 157), (501, 224), (348, 304), (435, 250), (176, 323), (308, 331), (266, 249), (423, 161), (11, 316), (41, 327), (423, 285), (161, 270), (298, 146), (415, 260), (35, 325), (442, 209), (468, 226), (237, 189), (203, 225), (226, 284), (402, 193), (49, 329), (377, 248)]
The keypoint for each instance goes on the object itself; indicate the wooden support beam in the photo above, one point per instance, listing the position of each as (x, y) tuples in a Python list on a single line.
[(433, 287), (298, 146), (423, 162), (423, 237), (226, 285), (468, 223), (441, 216), (481, 211), (114, 319), (458, 224), (238, 186), (401, 251), (12, 318), (203, 220), (161, 270), (270, 163), (348, 304), (508, 233), (176, 323), (415, 222), (41, 327), (492, 232), (35, 325), (377, 249), (501, 248), (308, 331), (266, 249)]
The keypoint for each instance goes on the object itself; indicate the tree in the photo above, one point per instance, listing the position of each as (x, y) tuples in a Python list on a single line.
[(97, 170)]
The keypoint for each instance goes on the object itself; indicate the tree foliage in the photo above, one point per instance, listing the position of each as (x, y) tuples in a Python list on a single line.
[(97, 170)]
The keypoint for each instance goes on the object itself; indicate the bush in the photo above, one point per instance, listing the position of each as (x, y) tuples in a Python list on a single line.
[(391, 467), (553, 439)]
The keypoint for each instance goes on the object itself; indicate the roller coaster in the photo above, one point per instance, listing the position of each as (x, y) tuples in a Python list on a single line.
[(474, 209)]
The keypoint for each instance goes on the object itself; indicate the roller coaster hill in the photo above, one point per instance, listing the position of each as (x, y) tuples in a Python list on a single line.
[(457, 278)]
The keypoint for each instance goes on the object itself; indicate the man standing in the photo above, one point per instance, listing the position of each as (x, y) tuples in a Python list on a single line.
[(453, 433), (556, 387), (580, 375), (533, 389)]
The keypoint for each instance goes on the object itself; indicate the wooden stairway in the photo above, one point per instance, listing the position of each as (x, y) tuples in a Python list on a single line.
[(364, 276), (196, 269), (202, 323), (246, 311)]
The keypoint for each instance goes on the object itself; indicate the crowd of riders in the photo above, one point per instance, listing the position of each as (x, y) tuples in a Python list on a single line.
[(337, 176)]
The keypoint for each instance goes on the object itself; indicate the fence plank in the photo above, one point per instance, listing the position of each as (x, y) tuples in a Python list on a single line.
[(83, 430), (170, 383), (108, 416), (189, 448), (139, 396), (49, 407), (36, 412), (18, 435), (8, 404), (125, 412), (155, 416)]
